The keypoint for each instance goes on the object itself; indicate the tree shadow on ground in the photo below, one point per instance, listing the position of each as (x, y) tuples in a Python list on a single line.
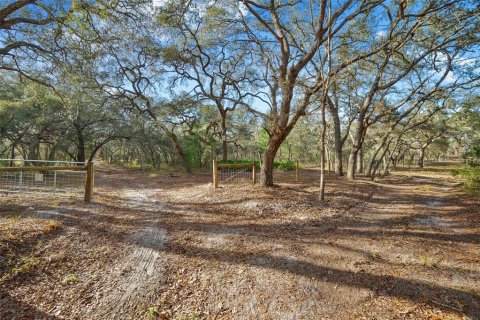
[(13, 308), (386, 285), (302, 232)]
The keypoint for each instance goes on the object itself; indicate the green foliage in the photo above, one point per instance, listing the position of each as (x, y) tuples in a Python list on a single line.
[(192, 315), (152, 312), (285, 165), (472, 173), (429, 261), (239, 161), (69, 279), (473, 152), (263, 139), (194, 151), (25, 265)]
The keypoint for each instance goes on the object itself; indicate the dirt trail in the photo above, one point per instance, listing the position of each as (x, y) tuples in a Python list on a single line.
[(139, 273), (134, 278), (175, 248)]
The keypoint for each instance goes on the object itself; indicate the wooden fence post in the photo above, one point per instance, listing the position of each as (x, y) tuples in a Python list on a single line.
[(215, 174), (89, 182), (253, 173), (296, 171)]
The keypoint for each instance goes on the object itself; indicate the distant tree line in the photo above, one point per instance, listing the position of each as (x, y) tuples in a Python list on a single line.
[(354, 86)]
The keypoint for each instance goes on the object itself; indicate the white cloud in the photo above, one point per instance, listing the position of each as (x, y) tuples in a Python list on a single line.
[(158, 3), (380, 34), (450, 77), (243, 9)]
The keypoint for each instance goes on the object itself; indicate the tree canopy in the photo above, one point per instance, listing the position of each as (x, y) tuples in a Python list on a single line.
[(355, 86)]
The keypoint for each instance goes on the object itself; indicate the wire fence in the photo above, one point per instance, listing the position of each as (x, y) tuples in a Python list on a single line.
[(235, 175), (33, 176)]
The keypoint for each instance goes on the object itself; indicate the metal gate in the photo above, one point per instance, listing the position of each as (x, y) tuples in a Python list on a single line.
[(46, 177)]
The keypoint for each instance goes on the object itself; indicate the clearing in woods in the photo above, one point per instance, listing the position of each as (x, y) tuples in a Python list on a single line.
[(172, 247)]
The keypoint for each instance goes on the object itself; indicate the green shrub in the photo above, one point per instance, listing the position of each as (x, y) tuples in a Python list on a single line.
[(472, 173), (285, 165), (257, 163)]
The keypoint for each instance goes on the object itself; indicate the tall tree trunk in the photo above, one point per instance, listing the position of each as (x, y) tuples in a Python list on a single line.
[(33, 148), (280, 133), (322, 155), (266, 169), (357, 144), (421, 157), (81, 145), (223, 116), (12, 154), (385, 166), (337, 139), (360, 161), (51, 154), (329, 167), (352, 161)]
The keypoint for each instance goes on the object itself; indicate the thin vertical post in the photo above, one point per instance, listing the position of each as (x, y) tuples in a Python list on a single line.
[(55, 182), (296, 171), (253, 173), (215, 174), (21, 180), (89, 182)]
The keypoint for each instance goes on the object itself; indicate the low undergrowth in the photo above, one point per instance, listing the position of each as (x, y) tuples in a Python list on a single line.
[(472, 174), (283, 165)]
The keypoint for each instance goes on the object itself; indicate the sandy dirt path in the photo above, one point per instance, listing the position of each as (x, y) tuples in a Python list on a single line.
[(407, 247)]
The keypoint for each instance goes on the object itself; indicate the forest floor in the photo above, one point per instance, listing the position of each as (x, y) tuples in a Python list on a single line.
[(170, 246)]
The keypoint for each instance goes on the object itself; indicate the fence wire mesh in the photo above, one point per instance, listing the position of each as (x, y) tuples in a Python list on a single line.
[(58, 182), (235, 175)]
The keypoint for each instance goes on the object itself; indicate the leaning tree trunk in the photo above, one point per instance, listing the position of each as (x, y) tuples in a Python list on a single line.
[(181, 153), (371, 163), (176, 142), (377, 164)]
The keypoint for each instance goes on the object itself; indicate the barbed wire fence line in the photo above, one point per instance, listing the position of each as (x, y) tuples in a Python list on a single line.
[(63, 178)]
